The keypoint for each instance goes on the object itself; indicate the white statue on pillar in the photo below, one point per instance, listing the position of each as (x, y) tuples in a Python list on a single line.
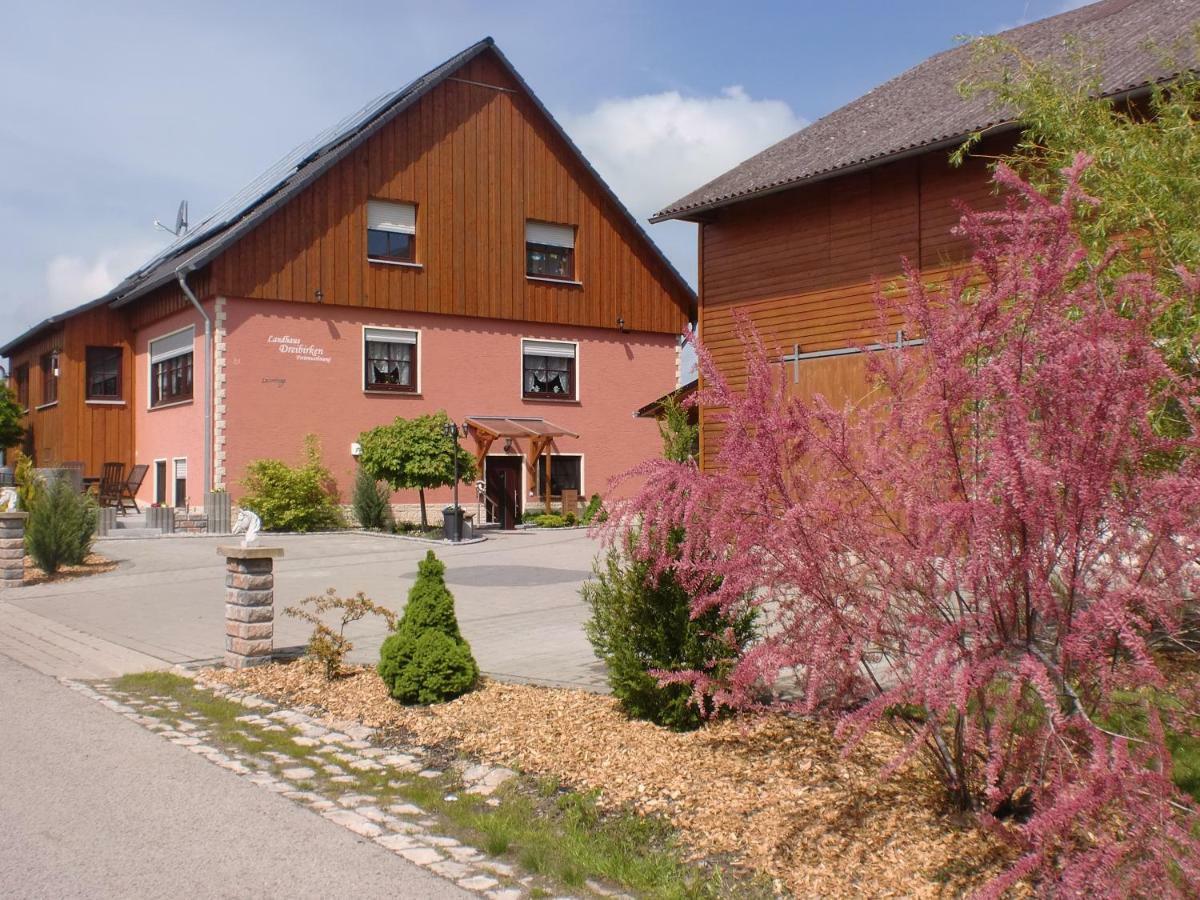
[(250, 523), (9, 502)]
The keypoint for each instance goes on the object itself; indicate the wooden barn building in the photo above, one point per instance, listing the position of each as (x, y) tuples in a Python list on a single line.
[(800, 236)]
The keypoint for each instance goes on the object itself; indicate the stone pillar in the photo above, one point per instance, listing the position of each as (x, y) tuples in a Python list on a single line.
[(12, 548), (249, 604)]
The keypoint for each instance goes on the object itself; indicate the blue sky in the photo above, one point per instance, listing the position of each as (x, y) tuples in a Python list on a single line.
[(110, 113)]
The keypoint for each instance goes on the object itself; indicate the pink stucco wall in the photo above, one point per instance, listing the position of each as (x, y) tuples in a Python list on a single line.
[(176, 431), (467, 367)]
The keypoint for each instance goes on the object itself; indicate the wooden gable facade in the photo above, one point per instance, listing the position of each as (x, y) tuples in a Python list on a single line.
[(478, 157)]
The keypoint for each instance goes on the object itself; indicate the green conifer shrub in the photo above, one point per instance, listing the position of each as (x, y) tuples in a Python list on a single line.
[(372, 502), (426, 660), (641, 623), (60, 526)]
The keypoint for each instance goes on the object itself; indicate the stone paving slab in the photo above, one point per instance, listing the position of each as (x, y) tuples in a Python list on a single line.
[(402, 828), (517, 599)]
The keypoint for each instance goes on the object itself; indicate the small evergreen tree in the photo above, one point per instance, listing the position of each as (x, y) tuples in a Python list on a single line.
[(60, 527), (372, 501), (642, 627), (680, 436), (11, 430), (426, 659)]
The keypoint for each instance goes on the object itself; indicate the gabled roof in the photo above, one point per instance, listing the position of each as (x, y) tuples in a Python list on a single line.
[(922, 109), (297, 170)]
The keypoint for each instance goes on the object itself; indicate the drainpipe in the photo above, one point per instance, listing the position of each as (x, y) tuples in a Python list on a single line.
[(181, 276)]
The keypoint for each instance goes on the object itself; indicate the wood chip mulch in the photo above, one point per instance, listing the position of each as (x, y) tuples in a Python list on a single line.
[(93, 564), (775, 794)]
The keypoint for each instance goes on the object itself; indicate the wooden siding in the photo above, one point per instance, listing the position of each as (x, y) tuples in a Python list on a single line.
[(74, 429), (477, 161), (804, 265)]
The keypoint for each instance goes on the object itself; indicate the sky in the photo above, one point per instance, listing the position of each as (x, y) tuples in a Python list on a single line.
[(111, 113)]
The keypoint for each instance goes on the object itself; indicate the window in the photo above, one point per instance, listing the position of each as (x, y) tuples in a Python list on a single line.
[(50, 378), (171, 368), (21, 376), (548, 369), (566, 473), (391, 231), (550, 250), (181, 484), (390, 356), (103, 373)]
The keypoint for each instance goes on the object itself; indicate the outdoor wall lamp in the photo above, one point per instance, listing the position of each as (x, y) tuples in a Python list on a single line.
[(621, 324)]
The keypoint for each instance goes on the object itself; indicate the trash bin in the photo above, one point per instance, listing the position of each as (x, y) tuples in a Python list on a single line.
[(452, 523)]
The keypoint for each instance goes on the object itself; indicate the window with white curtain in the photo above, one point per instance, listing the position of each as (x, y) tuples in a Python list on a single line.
[(390, 357), (549, 369)]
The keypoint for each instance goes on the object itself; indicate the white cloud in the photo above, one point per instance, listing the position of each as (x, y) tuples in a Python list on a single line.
[(71, 280), (655, 148)]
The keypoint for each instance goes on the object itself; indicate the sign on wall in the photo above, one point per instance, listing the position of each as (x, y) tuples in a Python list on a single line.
[(296, 348)]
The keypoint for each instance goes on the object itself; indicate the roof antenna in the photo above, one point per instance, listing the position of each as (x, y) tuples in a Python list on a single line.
[(181, 221)]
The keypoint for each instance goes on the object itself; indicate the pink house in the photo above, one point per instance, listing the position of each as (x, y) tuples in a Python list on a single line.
[(446, 248)]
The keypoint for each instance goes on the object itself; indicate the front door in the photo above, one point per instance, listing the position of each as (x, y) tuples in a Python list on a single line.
[(503, 476)]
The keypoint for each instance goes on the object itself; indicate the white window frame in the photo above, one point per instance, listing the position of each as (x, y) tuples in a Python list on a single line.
[(154, 463), (573, 281), (578, 372), (175, 483), (150, 361), (362, 360)]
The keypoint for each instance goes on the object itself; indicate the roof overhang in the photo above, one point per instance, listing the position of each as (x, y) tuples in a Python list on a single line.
[(518, 427)]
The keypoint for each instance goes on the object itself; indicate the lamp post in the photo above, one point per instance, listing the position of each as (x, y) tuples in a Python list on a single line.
[(451, 431)]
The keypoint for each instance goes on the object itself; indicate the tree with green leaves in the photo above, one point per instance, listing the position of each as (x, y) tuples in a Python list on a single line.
[(1145, 159), (415, 453), (12, 431)]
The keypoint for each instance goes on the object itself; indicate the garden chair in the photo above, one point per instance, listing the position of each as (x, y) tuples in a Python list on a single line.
[(112, 476), (127, 496)]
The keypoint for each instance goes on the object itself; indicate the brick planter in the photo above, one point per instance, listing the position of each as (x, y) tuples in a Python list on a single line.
[(12, 548), (249, 604)]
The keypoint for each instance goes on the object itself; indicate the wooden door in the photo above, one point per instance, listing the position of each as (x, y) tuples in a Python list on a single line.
[(503, 490)]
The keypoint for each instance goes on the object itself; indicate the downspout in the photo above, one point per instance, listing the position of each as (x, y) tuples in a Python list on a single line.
[(181, 275)]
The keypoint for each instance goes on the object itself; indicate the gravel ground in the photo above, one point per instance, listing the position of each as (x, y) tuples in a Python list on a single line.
[(775, 794)]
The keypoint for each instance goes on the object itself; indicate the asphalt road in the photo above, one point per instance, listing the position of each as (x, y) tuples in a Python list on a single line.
[(92, 805)]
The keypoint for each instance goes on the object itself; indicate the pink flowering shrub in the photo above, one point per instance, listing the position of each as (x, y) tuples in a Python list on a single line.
[(981, 553)]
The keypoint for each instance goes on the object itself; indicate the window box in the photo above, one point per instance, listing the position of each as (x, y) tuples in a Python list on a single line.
[(549, 370), (390, 360)]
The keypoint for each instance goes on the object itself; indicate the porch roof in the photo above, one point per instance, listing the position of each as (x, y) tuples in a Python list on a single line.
[(518, 427)]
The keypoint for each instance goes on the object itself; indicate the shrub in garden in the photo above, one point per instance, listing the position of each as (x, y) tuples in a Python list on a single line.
[(293, 498), (328, 648), (30, 485), (983, 541), (641, 625), (426, 660), (549, 520), (60, 526), (372, 502), (591, 510)]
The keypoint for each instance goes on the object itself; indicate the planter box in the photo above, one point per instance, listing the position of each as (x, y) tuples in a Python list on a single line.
[(218, 510), (161, 518), (106, 520)]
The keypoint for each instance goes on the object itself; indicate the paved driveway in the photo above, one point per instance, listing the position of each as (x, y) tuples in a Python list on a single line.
[(517, 600)]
